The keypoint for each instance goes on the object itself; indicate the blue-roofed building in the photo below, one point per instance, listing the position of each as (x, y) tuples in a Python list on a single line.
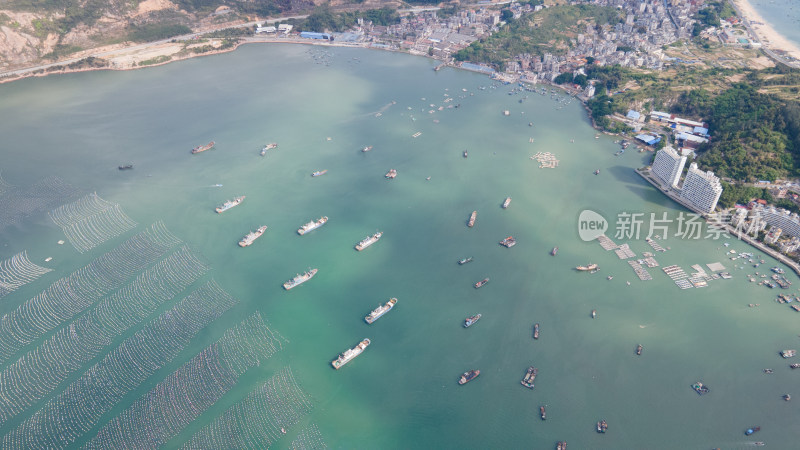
[(660, 116), (314, 35), (477, 68), (649, 139), (700, 130), (633, 115)]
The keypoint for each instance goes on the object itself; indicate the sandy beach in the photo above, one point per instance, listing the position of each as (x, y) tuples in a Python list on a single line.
[(769, 38)]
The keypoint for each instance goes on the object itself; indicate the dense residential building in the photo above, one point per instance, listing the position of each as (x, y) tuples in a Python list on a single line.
[(668, 166), (790, 245), (701, 189), (788, 222), (773, 235)]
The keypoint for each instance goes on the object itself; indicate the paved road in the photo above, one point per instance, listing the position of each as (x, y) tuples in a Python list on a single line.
[(774, 56)]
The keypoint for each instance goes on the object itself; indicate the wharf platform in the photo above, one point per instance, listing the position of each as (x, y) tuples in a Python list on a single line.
[(645, 173)]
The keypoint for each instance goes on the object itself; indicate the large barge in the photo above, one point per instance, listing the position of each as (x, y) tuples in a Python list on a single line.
[(369, 240), (252, 236), (312, 225), (299, 279), (349, 354), (229, 204), (380, 311)]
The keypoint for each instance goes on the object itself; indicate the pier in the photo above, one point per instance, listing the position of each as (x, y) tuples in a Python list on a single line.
[(645, 173)]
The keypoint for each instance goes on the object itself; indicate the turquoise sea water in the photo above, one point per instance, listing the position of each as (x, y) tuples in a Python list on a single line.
[(783, 15), (402, 392)]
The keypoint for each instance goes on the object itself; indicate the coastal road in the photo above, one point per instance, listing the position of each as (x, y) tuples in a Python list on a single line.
[(754, 37)]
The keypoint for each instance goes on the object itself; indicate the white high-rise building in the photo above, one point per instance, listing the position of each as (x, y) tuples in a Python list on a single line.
[(779, 218), (701, 189), (668, 166)]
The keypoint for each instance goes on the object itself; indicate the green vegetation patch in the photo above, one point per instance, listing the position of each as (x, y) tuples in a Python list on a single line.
[(230, 33), (546, 31), (156, 31), (61, 51), (755, 136), (44, 27), (323, 19), (157, 60)]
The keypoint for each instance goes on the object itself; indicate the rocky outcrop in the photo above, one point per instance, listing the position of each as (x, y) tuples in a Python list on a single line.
[(24, 36)]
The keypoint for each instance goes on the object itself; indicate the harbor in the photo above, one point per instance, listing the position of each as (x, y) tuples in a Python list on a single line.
[(278, 344)]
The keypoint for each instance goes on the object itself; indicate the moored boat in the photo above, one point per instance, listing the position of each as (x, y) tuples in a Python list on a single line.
[(369, 240), (126, 167), (481, 283), (589, 267), (312, 225), (554, 251), (536, 330), (380, 311), (229, 204), (751, 430), (471, 221), (508, 242), (391, 174), (299, 279), (602, 426), (597, 172), (529, 377), (366, 149), (349, 354), (639, 349), (463, 261), (542, 413), (203, 148), (788, 353), (268, 147), (469, 321), (594, 313), (319, 172), (252, 236), (700, 388), (466, 377), (465, 154), (506, 202), (794, 366), (561, 445)]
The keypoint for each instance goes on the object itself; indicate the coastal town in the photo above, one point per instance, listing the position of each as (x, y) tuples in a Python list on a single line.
[(642, 39), (171, 318)]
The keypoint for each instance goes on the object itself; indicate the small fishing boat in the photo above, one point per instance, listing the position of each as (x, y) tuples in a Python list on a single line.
[(751, 430)]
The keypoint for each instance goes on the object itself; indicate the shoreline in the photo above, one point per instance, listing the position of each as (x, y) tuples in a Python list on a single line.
[(127, 53), (766, 34)]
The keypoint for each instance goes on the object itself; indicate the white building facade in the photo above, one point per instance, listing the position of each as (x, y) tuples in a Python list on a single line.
[(668, 166), (701, 189), (788, 222)]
